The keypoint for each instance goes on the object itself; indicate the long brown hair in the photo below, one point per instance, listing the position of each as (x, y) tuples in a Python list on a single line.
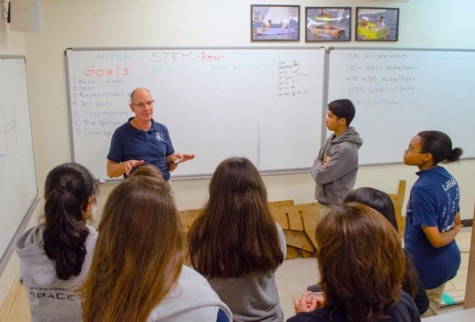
[(361, 262), (235, 235), (139, 252)]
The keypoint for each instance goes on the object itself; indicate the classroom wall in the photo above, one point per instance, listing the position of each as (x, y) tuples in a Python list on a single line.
[(182, 23), (208, 23)]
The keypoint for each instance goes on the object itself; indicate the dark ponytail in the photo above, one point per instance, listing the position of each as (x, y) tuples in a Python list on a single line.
[(454, 155), (68, 188), (439, 145)]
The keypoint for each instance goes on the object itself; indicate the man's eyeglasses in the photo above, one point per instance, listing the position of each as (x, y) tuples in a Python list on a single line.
[(142, 105)]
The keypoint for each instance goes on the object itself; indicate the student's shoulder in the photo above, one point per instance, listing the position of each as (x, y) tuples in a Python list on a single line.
[(405, 297), (423, 189), (344, 147), (194, 287), (31, 237)]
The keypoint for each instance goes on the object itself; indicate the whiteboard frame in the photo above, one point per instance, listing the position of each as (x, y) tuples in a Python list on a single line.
[(203, 175)]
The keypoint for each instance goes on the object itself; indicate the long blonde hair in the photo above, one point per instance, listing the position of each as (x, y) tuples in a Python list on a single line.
[(139, 252)]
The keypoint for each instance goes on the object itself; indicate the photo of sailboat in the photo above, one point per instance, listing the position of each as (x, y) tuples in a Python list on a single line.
[(328, 24), (275, 23)]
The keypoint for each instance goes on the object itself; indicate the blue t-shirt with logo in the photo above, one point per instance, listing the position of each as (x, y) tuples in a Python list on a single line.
[(433, 202), (152, 146)]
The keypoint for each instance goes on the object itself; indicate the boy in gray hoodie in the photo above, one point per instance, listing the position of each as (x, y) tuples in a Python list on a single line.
[(335, 168)]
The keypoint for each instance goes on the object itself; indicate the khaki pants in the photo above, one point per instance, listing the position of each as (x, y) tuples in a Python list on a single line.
[(322, 211), (435, 297)]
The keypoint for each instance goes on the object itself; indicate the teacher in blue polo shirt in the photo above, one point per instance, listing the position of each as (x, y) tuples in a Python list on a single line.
[(142, 140)]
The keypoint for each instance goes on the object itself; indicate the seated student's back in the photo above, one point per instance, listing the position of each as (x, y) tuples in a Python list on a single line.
[(55, 256), (236, 244), (137, 272)]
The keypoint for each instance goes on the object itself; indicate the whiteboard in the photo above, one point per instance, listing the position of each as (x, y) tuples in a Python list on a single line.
[(18, 189), (400, 92), (265, 104)]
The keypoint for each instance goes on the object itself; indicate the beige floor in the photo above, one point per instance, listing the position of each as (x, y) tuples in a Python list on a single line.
[(295, 275)]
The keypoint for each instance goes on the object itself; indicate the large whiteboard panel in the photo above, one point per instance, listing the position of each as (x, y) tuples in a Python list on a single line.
[(265, 104), (398, 93), (18, 189)]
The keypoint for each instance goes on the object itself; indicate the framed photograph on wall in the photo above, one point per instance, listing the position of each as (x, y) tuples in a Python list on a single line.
[(377, 24), (327, 24), (275, 23)]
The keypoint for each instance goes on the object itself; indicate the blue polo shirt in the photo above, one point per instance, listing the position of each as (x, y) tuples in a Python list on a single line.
[(434, 202), (152, 146)]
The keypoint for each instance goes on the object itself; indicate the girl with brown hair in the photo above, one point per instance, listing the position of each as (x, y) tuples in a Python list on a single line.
[(380, 201), (361, 264), (137, 272), (236, 244)]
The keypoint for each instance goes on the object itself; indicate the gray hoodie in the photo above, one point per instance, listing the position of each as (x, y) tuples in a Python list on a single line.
[(335, 177), (51, 299)]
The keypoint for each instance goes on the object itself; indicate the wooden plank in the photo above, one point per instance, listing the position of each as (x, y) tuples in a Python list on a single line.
[(279, 214), (292, 252), (299, 240), (280, 217), (306, 254), (294, 217), (309, 217), (280, 203), (398, 201), (188, 217)]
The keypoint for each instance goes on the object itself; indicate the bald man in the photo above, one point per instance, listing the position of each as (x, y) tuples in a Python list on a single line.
[(142, 140)]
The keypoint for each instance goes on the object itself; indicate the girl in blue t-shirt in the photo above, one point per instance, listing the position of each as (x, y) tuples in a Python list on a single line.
[(433, 213)]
